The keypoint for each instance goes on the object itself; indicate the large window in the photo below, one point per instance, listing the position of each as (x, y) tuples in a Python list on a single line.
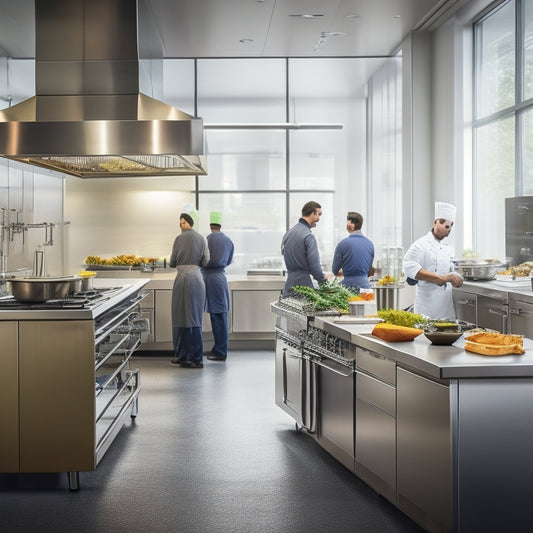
[(263, 166), (503, 120)]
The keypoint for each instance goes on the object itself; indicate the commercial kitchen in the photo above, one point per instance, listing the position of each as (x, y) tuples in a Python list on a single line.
[(116, 114)]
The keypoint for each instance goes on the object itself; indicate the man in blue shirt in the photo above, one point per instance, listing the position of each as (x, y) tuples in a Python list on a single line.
[(354, 255), (216, 286)]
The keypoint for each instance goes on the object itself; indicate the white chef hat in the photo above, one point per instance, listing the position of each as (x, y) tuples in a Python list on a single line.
[(445, 211)]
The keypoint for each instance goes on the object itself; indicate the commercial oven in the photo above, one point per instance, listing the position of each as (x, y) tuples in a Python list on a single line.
[(295, 381), (334, 363)]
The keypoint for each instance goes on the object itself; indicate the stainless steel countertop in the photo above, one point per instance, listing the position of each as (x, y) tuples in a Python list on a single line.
[(164, 279), (521, 290), (443, 362), (128, 287)]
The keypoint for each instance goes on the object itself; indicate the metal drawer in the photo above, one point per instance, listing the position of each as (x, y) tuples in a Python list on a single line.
[(376, 392), (376, 364)]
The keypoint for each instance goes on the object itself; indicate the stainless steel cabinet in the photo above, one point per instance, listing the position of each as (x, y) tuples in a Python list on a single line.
[(424, 451), (9, 398), (251, 311), (336, 429), (465, 304), (57, 396), (66, 389), (492, 311), (163, 317), (520, 316), (290, 377), (375, 422)]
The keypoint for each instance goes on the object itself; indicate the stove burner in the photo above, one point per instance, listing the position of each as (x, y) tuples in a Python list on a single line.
[(79, 300)]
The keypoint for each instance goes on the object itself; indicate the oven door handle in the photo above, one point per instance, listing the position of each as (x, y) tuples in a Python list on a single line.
[(324, 364)]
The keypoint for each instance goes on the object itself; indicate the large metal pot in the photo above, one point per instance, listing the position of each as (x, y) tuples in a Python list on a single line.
[(478, 270), (40, 289)]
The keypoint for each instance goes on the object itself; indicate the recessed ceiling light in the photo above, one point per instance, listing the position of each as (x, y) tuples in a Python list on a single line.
[(353, 16), (308, 15), (246, 41), (397, 16)]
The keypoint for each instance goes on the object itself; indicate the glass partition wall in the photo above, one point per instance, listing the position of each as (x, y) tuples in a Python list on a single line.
[(281, 132)]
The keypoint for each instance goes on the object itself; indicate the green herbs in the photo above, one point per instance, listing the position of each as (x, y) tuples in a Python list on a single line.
[(401, 318), (328, 296)]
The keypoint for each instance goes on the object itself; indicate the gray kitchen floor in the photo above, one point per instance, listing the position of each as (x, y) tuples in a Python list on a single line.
[(208, 452)]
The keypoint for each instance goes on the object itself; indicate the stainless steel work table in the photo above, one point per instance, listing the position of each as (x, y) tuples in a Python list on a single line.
[(463, 430), (441, 362)]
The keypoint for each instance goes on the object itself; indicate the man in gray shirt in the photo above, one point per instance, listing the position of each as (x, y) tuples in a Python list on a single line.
[(300, 251)]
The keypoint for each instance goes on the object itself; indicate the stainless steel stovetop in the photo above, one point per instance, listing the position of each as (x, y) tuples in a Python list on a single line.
[(82, 305)]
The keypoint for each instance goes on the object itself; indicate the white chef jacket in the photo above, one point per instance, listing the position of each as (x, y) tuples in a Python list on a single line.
[(428, 253)]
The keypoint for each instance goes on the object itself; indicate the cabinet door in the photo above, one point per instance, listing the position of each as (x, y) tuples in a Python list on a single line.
[(375, 432), (251, 311), (9, 398), (57, 396), (521, 318), (465, 304), (375, 443), (336, 412), (424, 451), (163, 316), (293, 380), (492, 312)]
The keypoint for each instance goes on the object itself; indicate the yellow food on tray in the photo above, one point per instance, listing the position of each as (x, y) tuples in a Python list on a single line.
[(387, 280), (394, 333), (86, 273), (118, 260), (492, 343)]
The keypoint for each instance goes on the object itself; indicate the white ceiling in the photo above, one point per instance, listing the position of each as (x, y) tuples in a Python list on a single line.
[(214, 28)]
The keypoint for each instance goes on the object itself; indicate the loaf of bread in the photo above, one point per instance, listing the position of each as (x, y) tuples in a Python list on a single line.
[(492, 343), (394, 333)]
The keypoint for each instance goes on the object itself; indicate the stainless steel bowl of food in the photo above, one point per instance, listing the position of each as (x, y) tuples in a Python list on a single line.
[(477, 270), (39, 289)]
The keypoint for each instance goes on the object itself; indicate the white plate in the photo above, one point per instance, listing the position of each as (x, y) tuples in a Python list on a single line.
[(348, 319)]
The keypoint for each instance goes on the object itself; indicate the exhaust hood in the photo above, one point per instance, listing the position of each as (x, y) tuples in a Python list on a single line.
[(88, 118)]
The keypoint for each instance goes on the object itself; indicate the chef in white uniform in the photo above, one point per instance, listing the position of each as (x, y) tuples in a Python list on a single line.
[(428, 262)]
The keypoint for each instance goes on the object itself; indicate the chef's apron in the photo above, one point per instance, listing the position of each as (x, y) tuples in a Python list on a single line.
[(433, 301), (188, 297)]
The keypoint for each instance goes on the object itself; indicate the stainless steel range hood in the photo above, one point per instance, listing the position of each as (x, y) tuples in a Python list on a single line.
[(88, 118)]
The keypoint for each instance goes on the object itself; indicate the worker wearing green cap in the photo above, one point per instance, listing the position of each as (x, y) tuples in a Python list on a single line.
[(216, 286)]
